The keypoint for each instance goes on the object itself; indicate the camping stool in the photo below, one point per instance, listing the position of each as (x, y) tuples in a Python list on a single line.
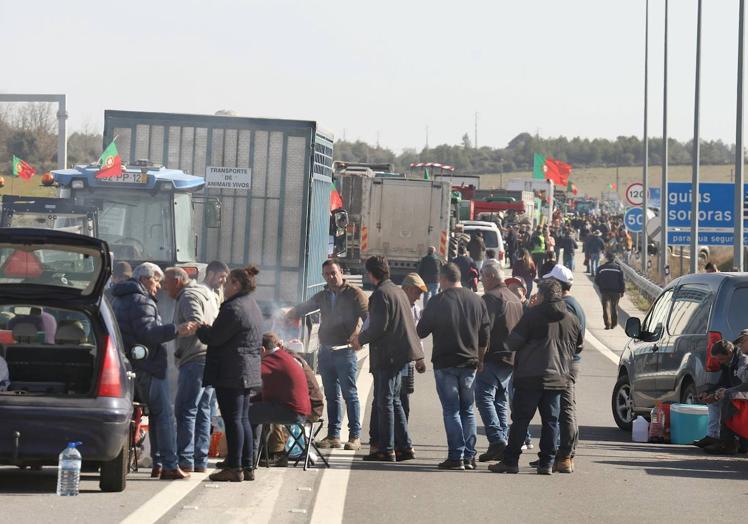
[(309, 431)]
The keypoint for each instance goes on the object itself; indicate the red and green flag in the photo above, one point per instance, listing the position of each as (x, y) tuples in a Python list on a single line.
[(110, 163), (546, 168), (538, 167), (612, 187), (572, 188), (336, 200), (22, 169)]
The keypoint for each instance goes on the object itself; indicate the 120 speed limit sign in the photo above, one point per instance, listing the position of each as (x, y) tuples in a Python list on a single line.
[(635, 194)]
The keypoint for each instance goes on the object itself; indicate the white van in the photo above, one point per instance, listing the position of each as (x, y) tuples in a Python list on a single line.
[(491, 235)]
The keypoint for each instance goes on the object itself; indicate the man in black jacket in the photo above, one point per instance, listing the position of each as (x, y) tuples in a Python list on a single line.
[(609, 280), (458, 320), (493, 380), (466, 265), (428, 270), (393, 343), (545, 341)]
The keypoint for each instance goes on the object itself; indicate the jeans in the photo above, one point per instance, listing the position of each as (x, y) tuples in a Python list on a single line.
[(567, 420), (492, 398), (433, 289), (714, 419), (338, 370), (594, 263), (262, 413), (526, 402), (569, 261), (234, 404), (161, 428), (610, 308), (388, 425), (192, 410), (456, 390)]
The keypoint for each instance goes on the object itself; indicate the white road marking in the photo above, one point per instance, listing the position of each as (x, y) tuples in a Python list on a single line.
[(333, 488), (602, 348), (161, 503)]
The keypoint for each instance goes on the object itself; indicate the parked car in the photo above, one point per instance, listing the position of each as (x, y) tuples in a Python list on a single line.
[(69, 378), (667, 356)]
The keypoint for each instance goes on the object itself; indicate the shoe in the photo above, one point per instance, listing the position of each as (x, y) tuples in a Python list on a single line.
[(277, 460), (495, 452), (534, 463), (722, 448), (248, 474), (221, 464), (456, 465), (329, 443), (228, 475), (156, 472), (470, 464), (503, 467), (706, 441), (187, 469), (563, 465), (200, 469), (353, 444), (614, 325), (545, 470), (381, 456), (529, 445), (407, 454), (524, 447), (174, 474)]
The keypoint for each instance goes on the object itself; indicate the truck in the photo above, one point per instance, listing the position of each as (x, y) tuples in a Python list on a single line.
[(394, 217)]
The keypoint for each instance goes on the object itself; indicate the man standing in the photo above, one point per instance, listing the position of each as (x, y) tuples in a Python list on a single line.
[(609, 280), (569, 245), (465, 265), (493, 380), (537, 247), (477, 248), (194, 303), (428, 270), (391, 335), (545, 341), (215, 277), (140, 324), (414, 287), (341, 307), (593, 248), (458, 320), (569, 432)]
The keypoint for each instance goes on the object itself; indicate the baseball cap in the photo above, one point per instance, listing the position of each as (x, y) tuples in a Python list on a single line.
[(561, 273), (414, 279), (740, 336)]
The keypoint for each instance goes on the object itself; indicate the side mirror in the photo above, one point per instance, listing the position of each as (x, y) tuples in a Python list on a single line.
[(213, 213), (138, 353), (634, 327), (341, 219)]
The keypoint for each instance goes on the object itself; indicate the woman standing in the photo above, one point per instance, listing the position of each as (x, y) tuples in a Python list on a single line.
[(232, 367), (525, 269)]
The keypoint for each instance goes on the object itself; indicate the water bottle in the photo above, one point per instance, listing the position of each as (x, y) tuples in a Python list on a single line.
[(69, 471)]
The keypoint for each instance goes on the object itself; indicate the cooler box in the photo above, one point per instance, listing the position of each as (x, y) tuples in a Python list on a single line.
[(688, 422)]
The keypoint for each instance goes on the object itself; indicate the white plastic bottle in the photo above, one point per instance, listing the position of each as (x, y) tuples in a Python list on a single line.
[(69, 471), (640, 430)]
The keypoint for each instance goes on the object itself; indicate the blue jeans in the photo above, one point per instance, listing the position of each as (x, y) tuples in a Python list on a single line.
[(192, 410), (526, 402), (456, 390), (594, 263), (715, 412), (161, 427), (339, 369), (389, 423), (235, 404), (492, 398), (433, 289), (569, 261)]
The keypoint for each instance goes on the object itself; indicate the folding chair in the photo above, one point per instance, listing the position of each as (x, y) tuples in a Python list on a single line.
[(309, 432)]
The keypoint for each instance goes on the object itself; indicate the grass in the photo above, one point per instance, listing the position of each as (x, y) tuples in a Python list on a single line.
[(21, 187), (641, 302)]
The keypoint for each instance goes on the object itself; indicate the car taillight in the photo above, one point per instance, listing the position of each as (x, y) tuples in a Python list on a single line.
[(110, 381), (711, 338)]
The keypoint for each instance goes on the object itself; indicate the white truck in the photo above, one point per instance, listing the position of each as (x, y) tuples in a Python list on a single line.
[(396, 218)]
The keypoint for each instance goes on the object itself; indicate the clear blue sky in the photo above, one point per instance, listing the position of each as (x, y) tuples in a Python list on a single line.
[(572, 67)]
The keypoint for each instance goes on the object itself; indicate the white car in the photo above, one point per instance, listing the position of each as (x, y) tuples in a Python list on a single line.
[(491, 235)]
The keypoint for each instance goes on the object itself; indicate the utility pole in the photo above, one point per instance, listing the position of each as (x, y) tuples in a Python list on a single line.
[(664, 262), (645, 174), (377, 139), (427, 137), (476, 130), (739, 252), (696, 152)]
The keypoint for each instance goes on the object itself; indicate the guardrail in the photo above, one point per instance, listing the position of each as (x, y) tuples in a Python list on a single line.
[(642, 283)]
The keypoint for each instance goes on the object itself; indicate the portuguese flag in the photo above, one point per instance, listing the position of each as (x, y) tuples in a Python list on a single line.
[(572, 188), (110, 163), (22, 169), (549, 169)]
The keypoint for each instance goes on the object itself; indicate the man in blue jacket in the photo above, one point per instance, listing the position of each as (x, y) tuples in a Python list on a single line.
[(140, 324)]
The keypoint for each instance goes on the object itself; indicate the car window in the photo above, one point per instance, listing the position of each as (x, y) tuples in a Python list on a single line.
[(737, 312), (655, 321), (690, 312)]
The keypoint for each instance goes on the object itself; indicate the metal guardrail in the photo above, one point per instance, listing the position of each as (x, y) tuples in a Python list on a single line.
[(642, 283)]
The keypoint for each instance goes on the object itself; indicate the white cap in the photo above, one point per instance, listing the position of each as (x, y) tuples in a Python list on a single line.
[(562, 274)]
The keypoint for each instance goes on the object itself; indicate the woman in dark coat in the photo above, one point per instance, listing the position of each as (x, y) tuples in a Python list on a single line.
[(232, 367)]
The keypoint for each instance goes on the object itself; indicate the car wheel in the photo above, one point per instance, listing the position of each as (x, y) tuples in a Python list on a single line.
[(113, 476), (622, 404), (688, 392)]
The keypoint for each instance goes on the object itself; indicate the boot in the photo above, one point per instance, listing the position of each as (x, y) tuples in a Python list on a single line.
[(227, 475), (495, 452), (563, 465), (501, 467)]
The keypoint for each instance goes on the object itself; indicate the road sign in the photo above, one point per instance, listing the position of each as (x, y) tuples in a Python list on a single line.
[(716, 205), (706, 238), (634, 219), (236, 178), (635, 194)]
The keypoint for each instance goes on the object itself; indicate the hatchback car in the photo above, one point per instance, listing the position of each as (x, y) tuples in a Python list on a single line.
[(667, 358), (69, 379)]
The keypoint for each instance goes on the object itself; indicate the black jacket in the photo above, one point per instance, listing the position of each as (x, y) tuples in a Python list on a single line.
[(428, 269), (458, 320), (391, 333), (568, 244), (609, 278), (545, 341), (504, 312), (465, 264), (140, 323), (234, 341)]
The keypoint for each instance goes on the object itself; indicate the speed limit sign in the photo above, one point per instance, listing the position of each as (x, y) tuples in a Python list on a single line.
[(635, 194)]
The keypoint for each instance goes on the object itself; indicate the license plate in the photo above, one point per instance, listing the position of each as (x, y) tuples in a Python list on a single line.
[(126, 178)]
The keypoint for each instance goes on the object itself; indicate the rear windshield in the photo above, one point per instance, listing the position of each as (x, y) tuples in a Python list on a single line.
[(489, 237), (737, 316), (60, 266)]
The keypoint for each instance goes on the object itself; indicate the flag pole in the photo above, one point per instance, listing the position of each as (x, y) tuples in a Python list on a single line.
[(645, 174), (696, 152), (739, 252), (664, 256)]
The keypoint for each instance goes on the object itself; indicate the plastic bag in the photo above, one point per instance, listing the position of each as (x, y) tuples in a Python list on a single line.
[(297, 450)]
